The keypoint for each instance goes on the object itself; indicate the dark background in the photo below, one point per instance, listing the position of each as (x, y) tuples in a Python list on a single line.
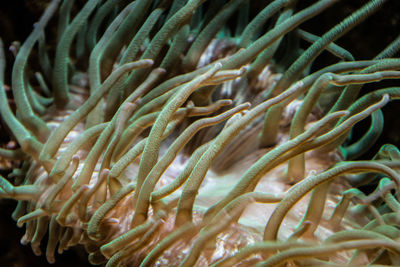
[(364, 42)]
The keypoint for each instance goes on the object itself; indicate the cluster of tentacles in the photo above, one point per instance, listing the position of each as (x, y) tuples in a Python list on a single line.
[(162, 133)]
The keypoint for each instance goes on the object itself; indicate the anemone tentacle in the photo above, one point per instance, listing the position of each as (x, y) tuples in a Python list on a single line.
[(164, 133)]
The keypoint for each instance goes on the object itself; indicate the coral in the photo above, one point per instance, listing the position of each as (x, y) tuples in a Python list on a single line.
[(168, 133)]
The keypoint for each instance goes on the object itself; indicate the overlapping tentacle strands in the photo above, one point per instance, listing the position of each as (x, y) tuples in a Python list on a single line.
[(162, 134)]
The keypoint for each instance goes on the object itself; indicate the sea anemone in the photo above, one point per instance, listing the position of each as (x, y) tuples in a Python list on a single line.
[(177, 135)]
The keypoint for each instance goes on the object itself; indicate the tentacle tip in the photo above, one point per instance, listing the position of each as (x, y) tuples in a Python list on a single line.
[(20, 223), (106, 251), (160, 71), (218, 65), (95, 236), (24, 240), (346, 113), (75, 160), (386, 98), (243, 70), (148, 62), (36, 249), (226, 102), (51, 259), (247, 105)]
